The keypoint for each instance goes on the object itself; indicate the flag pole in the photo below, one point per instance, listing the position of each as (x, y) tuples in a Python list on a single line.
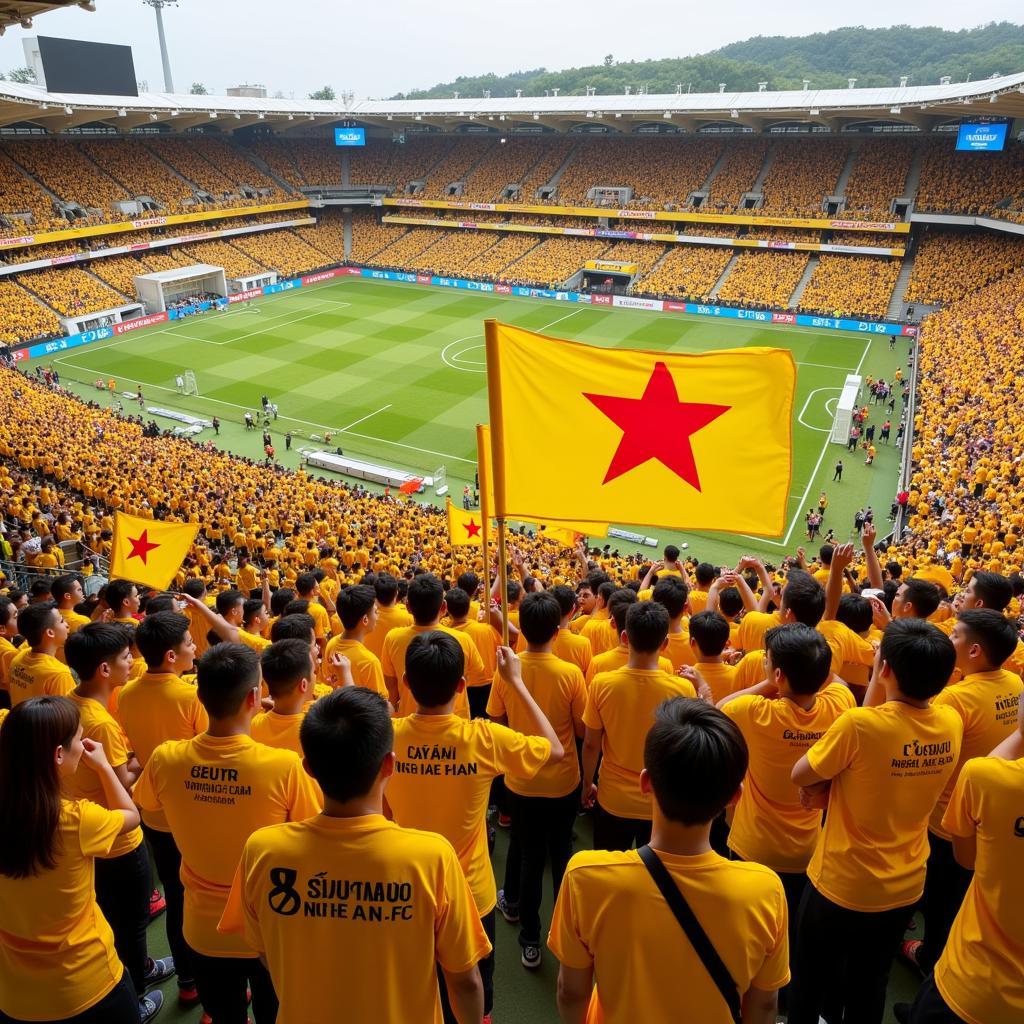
[(497, 429), (485, 509)]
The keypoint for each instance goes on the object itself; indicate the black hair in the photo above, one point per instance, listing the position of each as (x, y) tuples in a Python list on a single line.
[(280, 599), (35, 619), (618, 604), (540, 615), (894, 569), (458, 603), (696, 758), (252, 607), (605, 591), (345, 737), (41, 587), (294, 626), (705, 573), (566, 598), (920, 655), (425, 597), (6, 606), (993, 589), (825, 554), (227, 600), (804, 596), (730, 602), (469, 582), (386, 588), (117, 592), (285, 664), (434, 664), (647, 626), (157, 603), (710, 631), (354, 603), (94, 644), (157, 634), (194, 588), (62, 585), (991, 631), (224, 675), (300, 606), (801, 654), (514, 590), (671, 592), (854, 612), (304, 583), (923, 595)]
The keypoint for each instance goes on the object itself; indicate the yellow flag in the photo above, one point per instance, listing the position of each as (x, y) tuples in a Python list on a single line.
[(147, 551), (464, 527), (484, 463), (678, 440)]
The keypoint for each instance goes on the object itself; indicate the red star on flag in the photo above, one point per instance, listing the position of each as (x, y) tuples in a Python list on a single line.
[(656, 426), (472, 529), (141, 546)]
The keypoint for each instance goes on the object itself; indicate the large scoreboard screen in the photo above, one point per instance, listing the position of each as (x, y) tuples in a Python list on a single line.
[(981, 138), (95, 69)]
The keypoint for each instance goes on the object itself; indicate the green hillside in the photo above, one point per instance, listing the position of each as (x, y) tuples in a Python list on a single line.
[(875, 57)]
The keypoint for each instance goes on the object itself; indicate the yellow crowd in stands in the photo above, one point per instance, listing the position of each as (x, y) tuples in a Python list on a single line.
[(554, 260), (879, 238), (369, 237), (849, 285), (278, 155), (555, 153), (19, 194), (327, 236), (948, 266), (506, 250), (709, 230), (318, 162), (801, 175), (451, 254), (369, 164), (400, 252), (504, 164), (878, 176), (744, 159), (282, 250), (223, 254), (643, 254), (215, 167), (952, 181), (139, 171), (460, 158), (763, 278), (768, 232), (72, 291), (21, 316), (689, 271)]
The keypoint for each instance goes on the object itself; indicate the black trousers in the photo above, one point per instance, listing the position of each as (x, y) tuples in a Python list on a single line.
[(477, 697), (122, 891), (222, 982), (930, 1008), (119, 1006), (486, 974), (167, 861), (541, 829), (944, 889), (614, 833), (842, 957)]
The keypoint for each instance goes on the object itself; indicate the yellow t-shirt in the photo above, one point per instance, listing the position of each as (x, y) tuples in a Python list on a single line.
[(981, 971), (872, 851), (616, 658), (99, 725), (572, 648), (719, 676), (345, 909), (393, 664), (611, 917), (987, 703), (321, 620), (577, 624), (753, 627), (258, 643), (248, 580), (38, 675), (622, 703), (560, 692), (215, 792), (366, 670), (750, 670), (388, 618), (57, 956), (486, 640), (7, 653), (769, 825), (276, 730), (159, 706), (698, 600), (679, 652), (75, 623), (845, 645), (443, 771), (600, 631)]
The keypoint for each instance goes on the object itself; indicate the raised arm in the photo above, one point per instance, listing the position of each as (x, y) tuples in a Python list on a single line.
[(214, 621), (871, 556), (537, 722), (842, 556)]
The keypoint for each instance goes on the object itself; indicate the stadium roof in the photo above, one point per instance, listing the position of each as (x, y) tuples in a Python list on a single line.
[(923, 106), (15, 12)]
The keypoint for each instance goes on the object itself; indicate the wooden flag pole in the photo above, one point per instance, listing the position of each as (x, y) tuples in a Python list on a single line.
[(497, 426), (484, 482), (503, 580)]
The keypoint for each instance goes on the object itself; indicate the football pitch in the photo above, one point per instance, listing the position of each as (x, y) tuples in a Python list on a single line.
[(395, 373)]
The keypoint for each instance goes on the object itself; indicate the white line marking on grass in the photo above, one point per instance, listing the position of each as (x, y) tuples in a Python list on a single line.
[(362, 419), (453, 361), (800, 417)]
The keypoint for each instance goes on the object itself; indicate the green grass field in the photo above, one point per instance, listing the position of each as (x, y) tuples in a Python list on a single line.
[(396, 373)]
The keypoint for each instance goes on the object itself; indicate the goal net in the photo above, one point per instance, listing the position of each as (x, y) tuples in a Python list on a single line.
[(441, 480), (188, 383), (846, 405)]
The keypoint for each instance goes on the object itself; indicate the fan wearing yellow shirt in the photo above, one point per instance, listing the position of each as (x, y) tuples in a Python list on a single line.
[(992, 590), (357, 609), (543, 809), (321, 607), (597, 629), (35, 670), (101, 656), (986, 698), (216, 789), (57, 956), (67, 592), (246, 578), (619, 711), (672, 593), (709, 633), (8, 631), (611, 660), (979, 977), (883, 768), (426, 603), (780, 719), (349, 909), (444, 765), (390, 614), (704, 575), (613, 925), (567, 645), (586, 600), (197, 589), (485, 638)]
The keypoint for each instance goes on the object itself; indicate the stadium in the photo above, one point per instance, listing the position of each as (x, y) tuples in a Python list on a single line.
[(261, 321)]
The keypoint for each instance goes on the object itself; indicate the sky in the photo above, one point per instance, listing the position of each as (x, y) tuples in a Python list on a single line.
[(300, 46)]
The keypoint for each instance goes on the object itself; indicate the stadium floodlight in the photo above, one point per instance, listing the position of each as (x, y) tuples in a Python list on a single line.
[(158, 6)]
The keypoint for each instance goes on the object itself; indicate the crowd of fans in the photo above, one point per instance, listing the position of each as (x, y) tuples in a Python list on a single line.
[(949, 265), (959, 182), (327, 236), (139, 171), (223, 254), (803, 172), (72, 291), (878, 176), (408, 246), (369, 236), (687, 271), (453, 253), (490, 264), (843, 285), (216, 167), (763, 279), (553, 261), (20, 195), (22, 318), (460, 158), (503, 164), (283, 251), (743, 161), (556, 152)]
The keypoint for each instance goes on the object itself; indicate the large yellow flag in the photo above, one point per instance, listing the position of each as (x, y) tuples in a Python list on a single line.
[(464, 527), (679, 440), (560, 531), (149, 552)]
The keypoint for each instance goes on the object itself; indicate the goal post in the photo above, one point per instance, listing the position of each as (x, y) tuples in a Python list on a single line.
[(189, 385), (441, 480), (846, 405)]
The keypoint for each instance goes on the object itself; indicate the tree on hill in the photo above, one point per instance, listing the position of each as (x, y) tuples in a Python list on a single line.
[(323, 93), (23, 75), (198, 89)]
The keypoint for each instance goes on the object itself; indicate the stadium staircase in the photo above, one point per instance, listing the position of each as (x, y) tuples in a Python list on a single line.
[(897, 303), (913, 175), (99, 280), (18, 169), (706, 185), (261, 164), (725, 273), (174, 170), (844, 174), (769, 159), (798, 291), (552, 183), (22, 279)]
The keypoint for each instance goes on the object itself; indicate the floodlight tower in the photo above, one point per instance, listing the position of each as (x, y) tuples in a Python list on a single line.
[(158, 6)]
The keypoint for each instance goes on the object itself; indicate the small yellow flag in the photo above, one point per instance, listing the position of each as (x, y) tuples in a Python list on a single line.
[(679, 440), (464, 527), (147, 551)]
